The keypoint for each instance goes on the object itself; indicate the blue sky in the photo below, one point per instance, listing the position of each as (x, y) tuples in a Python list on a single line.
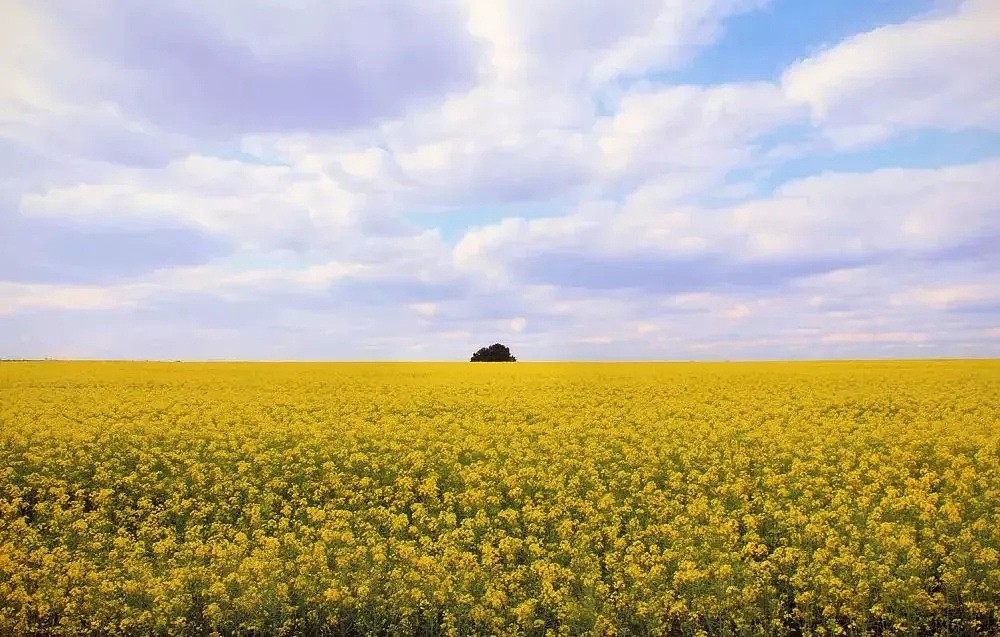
[(728, 179)]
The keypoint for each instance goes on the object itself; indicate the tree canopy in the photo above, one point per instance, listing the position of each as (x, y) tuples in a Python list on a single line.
[(495, 353)]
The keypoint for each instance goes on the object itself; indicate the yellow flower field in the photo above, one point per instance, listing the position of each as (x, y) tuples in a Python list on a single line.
[(563, 499)]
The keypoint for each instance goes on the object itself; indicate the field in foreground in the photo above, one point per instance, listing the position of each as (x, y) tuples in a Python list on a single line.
[(807, 498)]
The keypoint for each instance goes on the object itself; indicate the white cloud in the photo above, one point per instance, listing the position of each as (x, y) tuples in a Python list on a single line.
[(858, 215), (944, 297), (691, 131), (643, 328), (672, 36), (30, 50), (874, 337), (18, 297), (738, 312), (529, 129), (936, 71), (255, 205), (566, 41), (426, 310), (833, 216)]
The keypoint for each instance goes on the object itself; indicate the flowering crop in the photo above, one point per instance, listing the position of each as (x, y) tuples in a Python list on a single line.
[(729, 499)]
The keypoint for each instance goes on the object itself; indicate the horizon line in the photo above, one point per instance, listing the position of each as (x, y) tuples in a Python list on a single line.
[(465, 361)]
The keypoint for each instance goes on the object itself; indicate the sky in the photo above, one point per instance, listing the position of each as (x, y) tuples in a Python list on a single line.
[(412, 180)]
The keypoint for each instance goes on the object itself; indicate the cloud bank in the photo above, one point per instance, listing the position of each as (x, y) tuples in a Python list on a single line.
[(401, 180)]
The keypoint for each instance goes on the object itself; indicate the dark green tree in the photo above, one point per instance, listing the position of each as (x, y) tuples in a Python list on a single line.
[(495, 353)]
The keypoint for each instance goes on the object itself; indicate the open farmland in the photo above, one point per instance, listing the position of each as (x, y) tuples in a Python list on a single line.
[(770, 498)]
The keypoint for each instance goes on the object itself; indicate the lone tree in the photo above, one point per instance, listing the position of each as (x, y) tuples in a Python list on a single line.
[(495, 353)]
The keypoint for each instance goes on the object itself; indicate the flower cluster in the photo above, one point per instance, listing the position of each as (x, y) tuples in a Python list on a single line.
[(536, 499)]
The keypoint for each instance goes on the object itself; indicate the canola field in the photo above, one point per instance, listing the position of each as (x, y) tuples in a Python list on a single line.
[(522, 499)]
